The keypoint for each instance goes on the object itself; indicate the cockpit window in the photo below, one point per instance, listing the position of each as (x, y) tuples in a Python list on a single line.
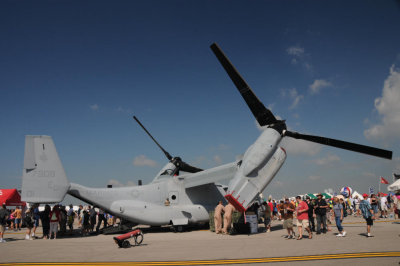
[(168, 172)]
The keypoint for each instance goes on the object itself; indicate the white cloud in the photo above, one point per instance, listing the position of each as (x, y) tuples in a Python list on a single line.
[(94, 107), (217, 159), (239, 157), (367, 174), (299, 146), (130, 184), (123, 110), (388, 107), (293, 95), (277, 183), (295, 51), (116, 183), (299, 57), (396, 161), (296, 97), (142, 160), (327, 160), (314, 178), (199, 160), (318, 84)]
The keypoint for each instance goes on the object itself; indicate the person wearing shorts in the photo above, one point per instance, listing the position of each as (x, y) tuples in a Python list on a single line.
[(267, 217), (286, 209), (384, 207), (368, 213), (18, 217), (302, 218)]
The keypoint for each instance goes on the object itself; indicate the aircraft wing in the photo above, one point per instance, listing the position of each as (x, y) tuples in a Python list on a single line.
[(223, 172)]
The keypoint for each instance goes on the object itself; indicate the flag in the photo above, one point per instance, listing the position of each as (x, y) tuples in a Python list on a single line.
[(371, 190), (384, 181), (396, 176)]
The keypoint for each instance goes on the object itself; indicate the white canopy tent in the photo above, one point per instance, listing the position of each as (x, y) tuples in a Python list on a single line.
[(355, 193), (395, 186)]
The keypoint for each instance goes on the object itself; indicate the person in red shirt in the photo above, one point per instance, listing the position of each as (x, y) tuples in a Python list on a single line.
[(302, 218), (271, 207)]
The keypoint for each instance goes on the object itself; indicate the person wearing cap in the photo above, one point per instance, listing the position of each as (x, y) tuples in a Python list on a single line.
[(368, 213), (320, 209)]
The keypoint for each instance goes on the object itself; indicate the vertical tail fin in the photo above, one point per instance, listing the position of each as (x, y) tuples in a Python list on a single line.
[(44, 179)]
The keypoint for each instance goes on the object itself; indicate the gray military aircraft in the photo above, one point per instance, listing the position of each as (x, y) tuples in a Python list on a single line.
[(191, 192)]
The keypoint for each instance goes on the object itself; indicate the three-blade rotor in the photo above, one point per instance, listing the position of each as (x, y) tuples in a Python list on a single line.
[(177, 161), (265, 117)]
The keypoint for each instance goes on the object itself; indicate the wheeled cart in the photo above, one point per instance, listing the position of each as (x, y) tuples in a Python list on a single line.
[(123, 240)]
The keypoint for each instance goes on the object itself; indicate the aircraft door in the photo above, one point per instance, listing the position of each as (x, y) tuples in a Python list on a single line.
[(173, 197)]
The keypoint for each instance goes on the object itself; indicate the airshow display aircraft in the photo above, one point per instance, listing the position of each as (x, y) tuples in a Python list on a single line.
[(192, 192)]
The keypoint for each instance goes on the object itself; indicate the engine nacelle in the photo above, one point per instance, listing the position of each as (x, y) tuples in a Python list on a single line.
[(260, 164)]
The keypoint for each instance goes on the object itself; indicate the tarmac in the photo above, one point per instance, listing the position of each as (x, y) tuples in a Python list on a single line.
[(202, 247)]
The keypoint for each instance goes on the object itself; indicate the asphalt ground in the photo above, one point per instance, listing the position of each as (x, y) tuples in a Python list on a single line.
[(202, 247)]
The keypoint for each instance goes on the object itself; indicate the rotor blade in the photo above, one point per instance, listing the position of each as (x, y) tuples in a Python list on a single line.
[(262, 114), (148, 133), (343, 145)]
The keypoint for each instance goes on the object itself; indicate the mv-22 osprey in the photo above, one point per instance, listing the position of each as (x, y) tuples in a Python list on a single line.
[(192, 192)]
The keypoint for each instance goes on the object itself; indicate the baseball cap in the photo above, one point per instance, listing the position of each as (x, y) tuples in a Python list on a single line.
[(365, 195)]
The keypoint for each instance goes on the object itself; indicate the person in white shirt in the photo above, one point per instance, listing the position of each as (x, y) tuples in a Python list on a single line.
[(384, 208)]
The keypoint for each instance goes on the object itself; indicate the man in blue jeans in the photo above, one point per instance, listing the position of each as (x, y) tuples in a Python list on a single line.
[(320, 212)]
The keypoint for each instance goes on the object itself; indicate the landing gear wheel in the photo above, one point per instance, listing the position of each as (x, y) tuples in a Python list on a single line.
[(139, 239), (126, 244), (179, 228)]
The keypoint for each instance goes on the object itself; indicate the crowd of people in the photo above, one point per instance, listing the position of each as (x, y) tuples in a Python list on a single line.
[(55, 221), (310, 215), (315, 215)]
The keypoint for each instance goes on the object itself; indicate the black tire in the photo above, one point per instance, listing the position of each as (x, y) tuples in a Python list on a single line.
[(179, 228), (126, 244), (139, 239)]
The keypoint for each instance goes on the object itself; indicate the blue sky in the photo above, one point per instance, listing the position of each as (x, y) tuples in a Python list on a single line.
[(79, 70)]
